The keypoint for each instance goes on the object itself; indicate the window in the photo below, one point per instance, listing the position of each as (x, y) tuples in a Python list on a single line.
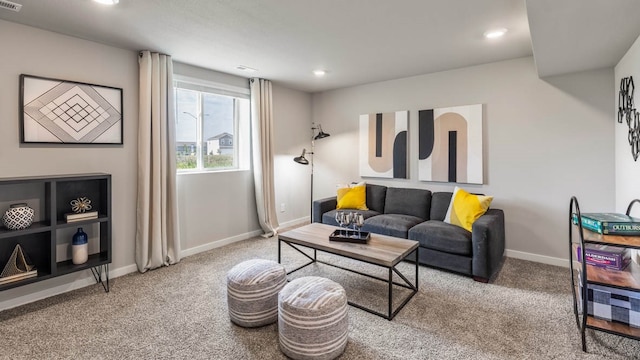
[(212, 123)]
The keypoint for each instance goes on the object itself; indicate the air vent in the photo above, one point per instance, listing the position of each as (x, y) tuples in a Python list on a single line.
[(8, 5)]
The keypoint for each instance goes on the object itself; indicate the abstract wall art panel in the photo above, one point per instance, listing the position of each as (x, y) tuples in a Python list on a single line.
[(383, 145), (67, 112), (450, 144)]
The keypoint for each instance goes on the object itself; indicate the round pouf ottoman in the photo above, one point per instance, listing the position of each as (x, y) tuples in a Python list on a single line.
[(312, 319), (252, 292)]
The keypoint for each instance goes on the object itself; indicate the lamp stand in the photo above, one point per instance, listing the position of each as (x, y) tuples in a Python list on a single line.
[(311, 197)]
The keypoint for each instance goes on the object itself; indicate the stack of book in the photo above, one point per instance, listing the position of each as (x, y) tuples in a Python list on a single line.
[(81, 216), (609, 223)]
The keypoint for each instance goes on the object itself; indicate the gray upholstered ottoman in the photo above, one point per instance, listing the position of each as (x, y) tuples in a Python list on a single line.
[(312, 319), (252, 292)]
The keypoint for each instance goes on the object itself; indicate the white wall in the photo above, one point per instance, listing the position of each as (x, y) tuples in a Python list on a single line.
[(627, 170), (31, 51), (544, 141)]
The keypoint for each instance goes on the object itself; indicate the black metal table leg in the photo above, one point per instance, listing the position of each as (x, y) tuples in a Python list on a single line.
[(390, 294), (417, 257), (391, 313), (97, 275)]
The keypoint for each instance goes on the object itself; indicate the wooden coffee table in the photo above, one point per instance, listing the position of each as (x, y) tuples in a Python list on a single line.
[(381, 250)]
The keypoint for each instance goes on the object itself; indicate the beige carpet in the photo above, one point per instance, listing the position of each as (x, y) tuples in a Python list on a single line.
[(180, 313)]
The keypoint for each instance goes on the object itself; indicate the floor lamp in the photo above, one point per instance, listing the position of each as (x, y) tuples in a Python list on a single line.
[(303, 160)]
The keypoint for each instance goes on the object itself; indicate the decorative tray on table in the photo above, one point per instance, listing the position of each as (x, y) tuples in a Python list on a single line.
[(354, 236)]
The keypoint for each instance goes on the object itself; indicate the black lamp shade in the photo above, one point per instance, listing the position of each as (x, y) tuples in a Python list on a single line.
[(301, 159), (321, 134)]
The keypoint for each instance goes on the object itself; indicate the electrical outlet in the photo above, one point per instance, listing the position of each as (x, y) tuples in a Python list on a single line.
[(282, 207)]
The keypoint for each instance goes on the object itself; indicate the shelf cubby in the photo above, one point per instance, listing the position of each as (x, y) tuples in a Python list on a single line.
[(50, 197)]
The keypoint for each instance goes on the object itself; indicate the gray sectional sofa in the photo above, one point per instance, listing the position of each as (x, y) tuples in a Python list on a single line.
[(418, 214)]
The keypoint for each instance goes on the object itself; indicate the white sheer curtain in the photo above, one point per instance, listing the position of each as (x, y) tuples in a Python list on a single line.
[(157, 236), (262, 149)]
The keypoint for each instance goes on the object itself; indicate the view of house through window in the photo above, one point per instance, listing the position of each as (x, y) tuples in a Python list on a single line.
[(207, 125)]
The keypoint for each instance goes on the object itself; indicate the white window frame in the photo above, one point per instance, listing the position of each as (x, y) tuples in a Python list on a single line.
[(240, 157)]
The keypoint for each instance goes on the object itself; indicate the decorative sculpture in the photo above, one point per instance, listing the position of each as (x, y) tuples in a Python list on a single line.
[(80, 205), (627, 111)]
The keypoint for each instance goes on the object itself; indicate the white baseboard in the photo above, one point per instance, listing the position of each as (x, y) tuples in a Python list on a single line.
[(295, 222), (219, 243), (537, 258), (114, 273), (60, 289), (233, 239)]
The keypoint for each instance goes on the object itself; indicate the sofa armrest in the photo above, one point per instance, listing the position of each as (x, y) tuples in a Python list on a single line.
[(321, 206), (487, 241)]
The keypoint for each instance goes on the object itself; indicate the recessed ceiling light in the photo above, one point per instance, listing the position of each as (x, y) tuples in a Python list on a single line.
[(495, 33), (107, 2), (246, 68), (319, 73)]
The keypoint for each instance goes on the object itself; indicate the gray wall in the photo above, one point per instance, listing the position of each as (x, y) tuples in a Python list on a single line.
[(202, 226), (292, 129), (544, 141), (215, 208), (627, 170), (31, 51)]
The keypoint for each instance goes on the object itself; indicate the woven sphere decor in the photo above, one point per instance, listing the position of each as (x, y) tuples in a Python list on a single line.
[(18, 217)]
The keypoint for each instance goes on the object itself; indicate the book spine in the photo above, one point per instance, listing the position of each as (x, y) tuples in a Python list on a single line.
[(82, 218), (88, 215), (591, 227), (611, 228)]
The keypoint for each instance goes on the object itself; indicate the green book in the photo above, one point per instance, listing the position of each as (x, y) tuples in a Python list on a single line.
[(609, 223)]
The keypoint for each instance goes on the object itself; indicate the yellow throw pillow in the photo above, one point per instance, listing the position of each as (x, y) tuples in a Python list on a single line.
[(466, 208), (352, 198)]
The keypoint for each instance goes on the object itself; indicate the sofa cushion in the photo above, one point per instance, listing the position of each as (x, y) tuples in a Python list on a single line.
[(375, 197), (396, 225), (329, 217), (353, 197), (438, 235), (466, 208), (439, 205), (404, 201)]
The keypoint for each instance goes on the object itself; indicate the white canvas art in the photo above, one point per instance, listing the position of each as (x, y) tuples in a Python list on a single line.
[(450, 144), (383, 145), (58, 111)]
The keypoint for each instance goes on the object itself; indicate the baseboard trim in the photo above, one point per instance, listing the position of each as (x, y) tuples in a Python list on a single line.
[(295, 222), (537, 258), (60, 289), (218, 243), (124, 270)]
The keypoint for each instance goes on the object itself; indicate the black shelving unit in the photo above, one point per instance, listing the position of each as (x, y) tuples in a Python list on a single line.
[(50, 198), (627, 279)]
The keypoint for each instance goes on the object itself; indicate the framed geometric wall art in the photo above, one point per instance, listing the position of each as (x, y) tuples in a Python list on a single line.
[(383, 145), (450, 144), (68, 112)]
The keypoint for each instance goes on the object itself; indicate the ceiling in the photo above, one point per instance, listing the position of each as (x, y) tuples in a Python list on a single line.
[(355, 41)]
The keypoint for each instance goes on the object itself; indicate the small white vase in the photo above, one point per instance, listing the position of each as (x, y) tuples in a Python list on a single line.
[(79, 253)]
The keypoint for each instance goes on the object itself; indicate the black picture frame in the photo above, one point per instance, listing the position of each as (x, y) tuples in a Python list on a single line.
[(54, 111)]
